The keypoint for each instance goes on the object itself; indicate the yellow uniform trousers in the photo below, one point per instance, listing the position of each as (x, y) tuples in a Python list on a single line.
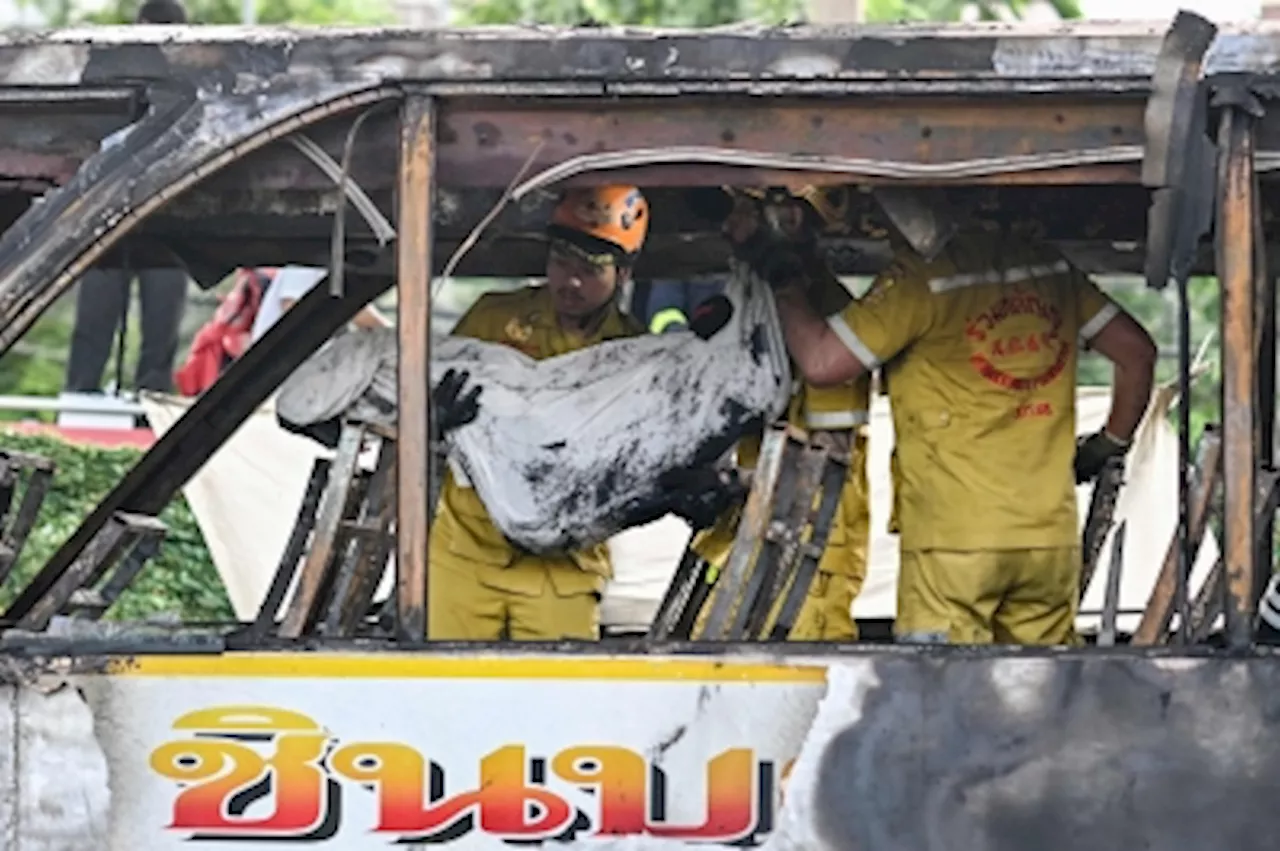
[(472, 601), (1026, 597)]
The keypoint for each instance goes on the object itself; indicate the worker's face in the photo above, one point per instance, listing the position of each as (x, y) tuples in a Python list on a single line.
[(580, 286)]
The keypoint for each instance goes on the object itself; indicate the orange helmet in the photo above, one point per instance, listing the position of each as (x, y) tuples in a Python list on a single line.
[(617, 216)]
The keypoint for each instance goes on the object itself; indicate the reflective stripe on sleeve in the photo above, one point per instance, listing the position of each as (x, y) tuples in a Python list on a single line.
[(1099, 321), (1011, 275), (833, 420), (850, 339)]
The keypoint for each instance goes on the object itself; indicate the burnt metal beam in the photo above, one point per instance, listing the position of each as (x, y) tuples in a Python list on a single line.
[(1265, 395), (593, 56), (1176, 162), (183, 142), (418, 176), (488, 143), (14, 532), (320, 562), (1236, 272)]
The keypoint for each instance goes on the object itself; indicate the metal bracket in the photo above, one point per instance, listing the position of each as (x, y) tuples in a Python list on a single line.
[(382, 229), (1178, 158)]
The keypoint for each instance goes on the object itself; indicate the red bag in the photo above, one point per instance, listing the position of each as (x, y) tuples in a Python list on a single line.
[(226, 336)]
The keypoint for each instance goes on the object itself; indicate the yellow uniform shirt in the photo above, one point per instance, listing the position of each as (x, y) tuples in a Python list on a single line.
[(524, 319), (979, 348)]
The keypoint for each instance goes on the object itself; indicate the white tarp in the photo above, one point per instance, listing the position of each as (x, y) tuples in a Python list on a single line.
[(246, 497), (566, 452)]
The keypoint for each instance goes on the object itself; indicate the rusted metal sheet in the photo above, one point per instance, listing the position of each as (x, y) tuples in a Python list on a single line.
[(596, 54), (484, 144), (1177, 162), (418, 175), (1100, 53), (1239, 370)]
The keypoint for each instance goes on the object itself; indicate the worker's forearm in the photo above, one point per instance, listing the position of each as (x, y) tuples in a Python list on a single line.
[(1130, 395), (822, 358)]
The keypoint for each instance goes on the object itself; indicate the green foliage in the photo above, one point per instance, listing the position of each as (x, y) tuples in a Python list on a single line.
[(657, 13), (1157, 311), (952, 10), (315, 12), (671, 13), (181, 578)]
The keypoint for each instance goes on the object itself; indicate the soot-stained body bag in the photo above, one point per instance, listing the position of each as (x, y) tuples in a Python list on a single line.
[(568, 451)]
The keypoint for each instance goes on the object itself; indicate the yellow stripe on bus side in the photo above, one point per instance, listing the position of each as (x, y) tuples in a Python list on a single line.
[(401, 666)]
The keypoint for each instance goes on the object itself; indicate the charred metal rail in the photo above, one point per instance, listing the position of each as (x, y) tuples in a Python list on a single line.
[(1210, 602), (417, 178), (16, 526), (1154, 626), (756, 515), (339, 546), (1237, 255), (264, 624), (117, 554), (1098, 522), (1111, 599), (781, 534), (371, 531)]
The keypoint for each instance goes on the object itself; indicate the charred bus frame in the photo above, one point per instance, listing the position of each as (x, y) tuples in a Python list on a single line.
[(1077, 132)]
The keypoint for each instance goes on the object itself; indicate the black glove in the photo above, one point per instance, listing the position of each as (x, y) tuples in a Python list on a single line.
[(450, 406), (779, 263), (700, 496), (1093, 452)]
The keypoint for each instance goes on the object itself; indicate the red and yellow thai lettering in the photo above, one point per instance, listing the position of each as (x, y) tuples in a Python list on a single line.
[(731, 800), (216, 767), (241, 754), (620, 778), (502, 801)]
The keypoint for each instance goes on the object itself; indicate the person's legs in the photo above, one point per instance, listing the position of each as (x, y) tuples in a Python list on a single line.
[(949, 597), (162, 294), (101, 299), (827, 614), (1040, 607)]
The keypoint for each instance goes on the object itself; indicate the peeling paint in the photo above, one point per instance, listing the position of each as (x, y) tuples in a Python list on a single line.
[(63, 802), (47, 65)]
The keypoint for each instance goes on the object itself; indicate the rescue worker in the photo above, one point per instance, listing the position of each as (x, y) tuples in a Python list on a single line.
[(481, 586), (838, 415), (978, 335)]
